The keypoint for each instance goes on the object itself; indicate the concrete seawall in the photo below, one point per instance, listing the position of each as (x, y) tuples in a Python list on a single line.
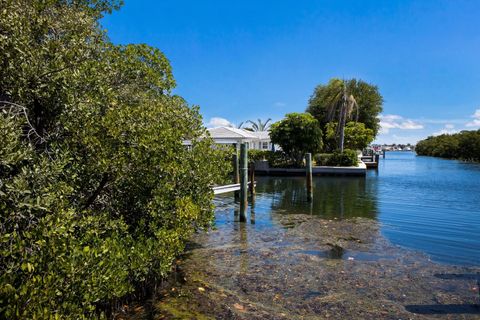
[(262, 168)]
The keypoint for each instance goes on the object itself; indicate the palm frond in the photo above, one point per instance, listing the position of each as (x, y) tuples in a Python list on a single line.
[(259, 125)]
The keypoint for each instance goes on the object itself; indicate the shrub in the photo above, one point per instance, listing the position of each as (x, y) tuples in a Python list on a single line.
[(297, 134), (321, 159), (347, 158), (97, 191), (254, 155), (276, 159)]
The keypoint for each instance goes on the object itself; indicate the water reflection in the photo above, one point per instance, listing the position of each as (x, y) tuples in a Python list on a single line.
[(240, 228), (333, 197), (252, 210), (423, 203)]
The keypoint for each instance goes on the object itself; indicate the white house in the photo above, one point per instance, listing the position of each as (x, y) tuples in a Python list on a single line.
[(263, 141), (259, 140)]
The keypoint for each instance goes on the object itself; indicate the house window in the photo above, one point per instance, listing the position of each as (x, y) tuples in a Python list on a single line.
[(265, 145)]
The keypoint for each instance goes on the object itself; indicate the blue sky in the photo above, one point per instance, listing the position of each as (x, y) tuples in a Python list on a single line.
[(243, 60)]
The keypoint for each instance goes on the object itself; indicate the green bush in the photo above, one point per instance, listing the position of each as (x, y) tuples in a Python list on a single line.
[(297, 134), (254, 155), (357, 136), (347, 158), (321, 159), (276, 159), (98, 193)]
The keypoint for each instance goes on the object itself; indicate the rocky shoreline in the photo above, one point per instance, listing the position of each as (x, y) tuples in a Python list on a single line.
[(310, 268)]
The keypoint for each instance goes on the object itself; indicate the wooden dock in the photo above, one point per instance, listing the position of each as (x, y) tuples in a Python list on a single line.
[(228, 188), (371, 161)]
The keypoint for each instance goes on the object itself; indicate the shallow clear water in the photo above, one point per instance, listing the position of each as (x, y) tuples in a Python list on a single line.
[(426, 204), (333, 257)]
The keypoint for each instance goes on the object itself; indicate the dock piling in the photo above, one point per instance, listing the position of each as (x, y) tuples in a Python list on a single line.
[(252, 179), (243, 182), (236, 173), (308, 160)]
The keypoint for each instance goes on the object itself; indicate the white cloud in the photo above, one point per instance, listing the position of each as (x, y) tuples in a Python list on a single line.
[(279, 104), (219, 122), (445, 131), (393, 138), (474, 123), (393, 121), (448, 129), (460, 121), (476, 120), (410, 125)]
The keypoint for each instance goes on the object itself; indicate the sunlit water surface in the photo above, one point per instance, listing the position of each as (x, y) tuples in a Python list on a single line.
[(423, 203)]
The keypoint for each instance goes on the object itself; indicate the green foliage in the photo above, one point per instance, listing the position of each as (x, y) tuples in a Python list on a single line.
[(347, 158), (357, 136), (322, 159), (367, 96), (297, 134), (258, 125), (464, 145), (254, 155), (275, 159), (98, 192)]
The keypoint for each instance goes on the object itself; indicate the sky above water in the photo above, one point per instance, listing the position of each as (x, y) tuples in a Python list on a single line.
[(241, 60)]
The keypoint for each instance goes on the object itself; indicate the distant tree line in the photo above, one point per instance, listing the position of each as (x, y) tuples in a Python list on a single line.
[(464, 145)]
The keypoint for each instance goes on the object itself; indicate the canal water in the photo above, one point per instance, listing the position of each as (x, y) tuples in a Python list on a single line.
[(423, 203), (400, 243)]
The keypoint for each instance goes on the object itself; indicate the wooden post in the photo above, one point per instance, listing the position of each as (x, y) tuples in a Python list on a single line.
[(383, 151), (236, 174), (377, 158), (243, 182), (252, 179), (308, 160)]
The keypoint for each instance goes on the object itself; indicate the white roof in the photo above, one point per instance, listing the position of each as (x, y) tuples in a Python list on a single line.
[(262, 135), (230, 133)]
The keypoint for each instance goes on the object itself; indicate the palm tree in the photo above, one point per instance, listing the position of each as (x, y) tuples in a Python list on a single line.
[(238, 126), (341, 106), (259, 125)]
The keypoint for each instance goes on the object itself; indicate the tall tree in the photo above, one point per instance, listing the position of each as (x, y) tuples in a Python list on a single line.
[(326, 101), (339, 106)]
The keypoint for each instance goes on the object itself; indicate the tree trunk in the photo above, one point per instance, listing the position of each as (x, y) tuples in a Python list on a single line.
[(341, 125), (343, 117)]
